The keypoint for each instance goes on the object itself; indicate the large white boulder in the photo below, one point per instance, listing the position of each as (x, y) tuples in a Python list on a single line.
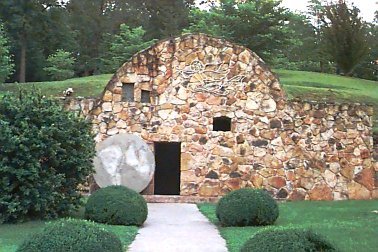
[(124, 159)]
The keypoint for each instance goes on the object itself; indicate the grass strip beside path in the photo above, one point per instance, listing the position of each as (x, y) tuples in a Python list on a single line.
[(12, 235), (350, 225)]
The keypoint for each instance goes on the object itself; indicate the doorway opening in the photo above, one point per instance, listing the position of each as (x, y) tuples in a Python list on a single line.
[(167, 170)]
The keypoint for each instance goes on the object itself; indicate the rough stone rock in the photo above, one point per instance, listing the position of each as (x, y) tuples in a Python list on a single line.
[(365, 178), (124, 159), (321, 192), (209, 189), (277, 182), (297, 195), (357, 191)]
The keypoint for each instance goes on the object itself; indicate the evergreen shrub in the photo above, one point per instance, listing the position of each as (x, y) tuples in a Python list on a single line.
[(116, 205)]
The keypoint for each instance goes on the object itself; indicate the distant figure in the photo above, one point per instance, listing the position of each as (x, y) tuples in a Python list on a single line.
[(68, 92)]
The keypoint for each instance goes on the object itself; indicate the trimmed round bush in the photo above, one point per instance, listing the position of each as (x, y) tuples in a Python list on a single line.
[(72, 235), (116, 205), (247, 207), (287, 240)]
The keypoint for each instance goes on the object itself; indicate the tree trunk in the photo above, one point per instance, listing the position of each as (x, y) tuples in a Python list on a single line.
[(22, 73)]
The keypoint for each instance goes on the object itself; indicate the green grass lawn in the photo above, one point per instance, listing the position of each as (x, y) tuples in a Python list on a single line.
[(350, 225), (91, 86), (12, 235), (305, 85)]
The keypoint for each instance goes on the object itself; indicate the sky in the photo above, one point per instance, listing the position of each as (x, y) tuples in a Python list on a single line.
[(367, 7)]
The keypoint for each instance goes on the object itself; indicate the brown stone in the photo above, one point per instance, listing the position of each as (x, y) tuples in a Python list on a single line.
[(297, 195), (321, 192), (348, 172), (233, 183), (277, 182), (358, 192), (366, 178)]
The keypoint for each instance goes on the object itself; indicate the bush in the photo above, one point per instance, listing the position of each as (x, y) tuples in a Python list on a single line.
[(45, 152), (60, 65), (287, 240), (247, 207), (116, 205), (72, 235)]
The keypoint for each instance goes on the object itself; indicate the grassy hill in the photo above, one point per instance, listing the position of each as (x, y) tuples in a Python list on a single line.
[(305, 85)]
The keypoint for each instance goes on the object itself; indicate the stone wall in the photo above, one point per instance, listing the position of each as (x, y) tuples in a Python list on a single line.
[(296, 150)]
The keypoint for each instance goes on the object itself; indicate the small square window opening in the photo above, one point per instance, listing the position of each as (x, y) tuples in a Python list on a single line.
[(222, 123)]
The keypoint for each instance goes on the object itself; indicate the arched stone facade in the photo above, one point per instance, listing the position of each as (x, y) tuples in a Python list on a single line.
[(176, 90)]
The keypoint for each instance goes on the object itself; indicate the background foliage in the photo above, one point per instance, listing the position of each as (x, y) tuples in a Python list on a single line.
[(93, 30)]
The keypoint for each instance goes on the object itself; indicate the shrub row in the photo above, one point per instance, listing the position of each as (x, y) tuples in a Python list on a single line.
[(115, 205)]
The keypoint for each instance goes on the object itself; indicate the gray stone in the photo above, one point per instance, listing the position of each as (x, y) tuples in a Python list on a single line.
[(124, 159)]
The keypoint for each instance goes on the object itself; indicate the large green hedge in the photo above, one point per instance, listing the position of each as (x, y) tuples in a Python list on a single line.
[(247, 207), (72, 235), (45, 152), (117, 205)]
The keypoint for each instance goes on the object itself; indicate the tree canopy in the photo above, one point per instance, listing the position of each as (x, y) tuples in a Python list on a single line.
[(329, 36)]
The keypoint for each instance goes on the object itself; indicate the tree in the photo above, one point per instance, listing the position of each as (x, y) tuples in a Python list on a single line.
[(257, 24), (60, 65), (166, 18), (92, 20), (120, 47), (6, 64), (315, 10), (24, 21), (301, 53), (345, 36), (45, 153)]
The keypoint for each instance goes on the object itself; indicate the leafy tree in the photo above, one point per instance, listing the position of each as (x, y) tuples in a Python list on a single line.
[(368, 69), (24, 20), (316, 9), (45, 153), (256, 24), (92, 20), (122, 46), (301, 53), (345, 35), (6, 64), (166, 18), (60, 65)]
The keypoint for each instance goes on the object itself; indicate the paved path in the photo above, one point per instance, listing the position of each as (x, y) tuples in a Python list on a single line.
[(177, 227)]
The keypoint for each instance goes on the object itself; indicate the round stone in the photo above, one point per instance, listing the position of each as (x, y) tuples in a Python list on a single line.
[(124, 159)]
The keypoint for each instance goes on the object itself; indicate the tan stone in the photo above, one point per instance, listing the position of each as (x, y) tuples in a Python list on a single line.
[(321, 192), (108, 96), (357, 191), (214, 100), (257, 180), (209, 189)]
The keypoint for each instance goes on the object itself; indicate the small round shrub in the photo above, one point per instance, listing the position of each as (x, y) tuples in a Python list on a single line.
[(116, 205), (287, 240), (72, 235), (247, 207)]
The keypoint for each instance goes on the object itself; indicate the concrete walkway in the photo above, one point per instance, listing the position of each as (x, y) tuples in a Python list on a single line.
[(177, 227)]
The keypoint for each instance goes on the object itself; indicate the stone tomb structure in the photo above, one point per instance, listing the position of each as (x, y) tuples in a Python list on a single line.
[(217, 119)]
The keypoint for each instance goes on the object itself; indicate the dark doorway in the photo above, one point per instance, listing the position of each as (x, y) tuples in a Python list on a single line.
[(167, 170)]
